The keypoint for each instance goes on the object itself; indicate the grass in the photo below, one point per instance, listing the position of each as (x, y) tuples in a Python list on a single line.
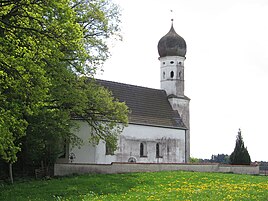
[(175, 185)]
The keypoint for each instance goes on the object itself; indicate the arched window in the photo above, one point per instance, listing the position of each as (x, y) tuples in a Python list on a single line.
[(108, 149), (64, 149), (164, 75), (141, 149), (171, 74), (180, 75), (157, 150)]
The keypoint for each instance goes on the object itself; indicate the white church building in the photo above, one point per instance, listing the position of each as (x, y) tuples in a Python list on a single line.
[(158, 129)]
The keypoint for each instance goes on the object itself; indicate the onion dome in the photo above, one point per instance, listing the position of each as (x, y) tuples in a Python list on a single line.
[(171, 44)]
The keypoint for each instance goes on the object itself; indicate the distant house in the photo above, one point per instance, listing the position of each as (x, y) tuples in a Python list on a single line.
[(158, 130)]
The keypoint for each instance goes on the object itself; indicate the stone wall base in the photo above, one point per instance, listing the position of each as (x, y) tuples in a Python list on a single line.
[(114, 168)]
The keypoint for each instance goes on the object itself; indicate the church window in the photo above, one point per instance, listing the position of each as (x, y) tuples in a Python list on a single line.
[(164, 75), (142, 149), (64, 150), (158, 150), (172, 62), (171, 74), (108, 149)]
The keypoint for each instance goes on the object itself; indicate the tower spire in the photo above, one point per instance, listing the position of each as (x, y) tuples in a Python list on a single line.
[(172, 51)]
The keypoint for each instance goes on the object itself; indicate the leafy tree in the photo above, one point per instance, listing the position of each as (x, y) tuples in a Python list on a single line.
[(45, 49), (240, 155), (194, 160), (51, 127)]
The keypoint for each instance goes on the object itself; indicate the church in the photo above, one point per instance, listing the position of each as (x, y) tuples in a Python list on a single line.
[(159, 128)]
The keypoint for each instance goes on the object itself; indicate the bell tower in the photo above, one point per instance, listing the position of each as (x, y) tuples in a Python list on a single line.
[(172, 50)]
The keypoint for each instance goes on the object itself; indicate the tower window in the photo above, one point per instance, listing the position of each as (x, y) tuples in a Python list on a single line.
[(171, 74), (164, 63), (172, 62), (180, 75), (164, 75)]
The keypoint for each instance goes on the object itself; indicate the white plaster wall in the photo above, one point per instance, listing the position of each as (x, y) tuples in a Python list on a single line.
[(129, 145), (177, 103), (182, 106), (101, 157), (151, 132), (87, 153), (172, 85), (168, 138)]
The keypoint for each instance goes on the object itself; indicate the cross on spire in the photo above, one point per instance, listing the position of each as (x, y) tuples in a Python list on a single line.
[(171, 13)]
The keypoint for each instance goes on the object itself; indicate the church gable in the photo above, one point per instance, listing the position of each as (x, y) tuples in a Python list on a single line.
[(148, 106)]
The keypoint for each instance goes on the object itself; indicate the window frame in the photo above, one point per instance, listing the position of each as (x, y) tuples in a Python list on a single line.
[(143, 149), (108, 149), (158, 150)]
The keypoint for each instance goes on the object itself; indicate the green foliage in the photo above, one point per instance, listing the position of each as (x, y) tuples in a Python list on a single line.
[(33, 35), (105, 115), (194, 160), (11, 127), (47, 133), (46, 49), (240, 155), (175, 185), (220, 158)]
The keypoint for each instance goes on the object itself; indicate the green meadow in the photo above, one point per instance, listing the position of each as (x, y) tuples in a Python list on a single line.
[(174, 185)]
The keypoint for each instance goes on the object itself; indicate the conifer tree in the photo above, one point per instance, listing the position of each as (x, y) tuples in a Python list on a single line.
[(240, 155)]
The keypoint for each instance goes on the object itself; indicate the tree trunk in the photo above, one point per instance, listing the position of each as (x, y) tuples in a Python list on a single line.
[(10, 173)]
